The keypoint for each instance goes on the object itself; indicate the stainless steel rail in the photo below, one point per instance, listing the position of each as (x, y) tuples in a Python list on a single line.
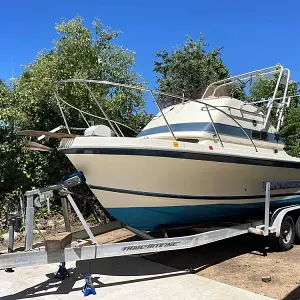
[(284, 75), (244, 77), (152, 92), (229, 116), (91, 115)]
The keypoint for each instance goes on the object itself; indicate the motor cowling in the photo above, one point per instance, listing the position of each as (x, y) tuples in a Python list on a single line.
[(98, 130)]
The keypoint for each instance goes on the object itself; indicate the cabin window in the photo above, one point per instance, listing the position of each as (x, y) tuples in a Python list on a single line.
[(259, 135), (277, 138), (264, 135), (188, 140)]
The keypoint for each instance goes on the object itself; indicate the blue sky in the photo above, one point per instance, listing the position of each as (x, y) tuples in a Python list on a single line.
[(254, 34)]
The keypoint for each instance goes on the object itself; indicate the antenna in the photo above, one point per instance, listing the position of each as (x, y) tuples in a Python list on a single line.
[(12, 70)]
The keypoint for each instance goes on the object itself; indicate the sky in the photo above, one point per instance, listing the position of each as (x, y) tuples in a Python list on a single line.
[(255, 34)]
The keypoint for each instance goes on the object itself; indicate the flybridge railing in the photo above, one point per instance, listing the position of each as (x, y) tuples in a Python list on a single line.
[(283, 78), (114, 125)]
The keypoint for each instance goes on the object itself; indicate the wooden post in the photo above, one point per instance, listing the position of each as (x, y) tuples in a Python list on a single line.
[(64, 204)]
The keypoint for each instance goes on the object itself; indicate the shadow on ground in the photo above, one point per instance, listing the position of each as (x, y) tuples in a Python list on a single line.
[(200, 258), (293, 295), (190, 260), (118, 266)]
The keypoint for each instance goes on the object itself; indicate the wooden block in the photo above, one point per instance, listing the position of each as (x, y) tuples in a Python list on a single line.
[(82, 244), (97, 230), (58, 242), (114, 236)]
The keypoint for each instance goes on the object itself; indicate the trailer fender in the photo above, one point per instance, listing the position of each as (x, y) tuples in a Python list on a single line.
[(279, 215)]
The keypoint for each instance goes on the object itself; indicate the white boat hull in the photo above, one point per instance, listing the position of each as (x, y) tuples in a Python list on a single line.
[(168, 187)]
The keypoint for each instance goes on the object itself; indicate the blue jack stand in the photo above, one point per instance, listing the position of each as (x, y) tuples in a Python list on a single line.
[(88, 287), (62, 272)]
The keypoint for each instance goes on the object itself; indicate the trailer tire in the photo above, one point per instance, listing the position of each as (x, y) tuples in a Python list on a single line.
[(297, 231), (287, 234)]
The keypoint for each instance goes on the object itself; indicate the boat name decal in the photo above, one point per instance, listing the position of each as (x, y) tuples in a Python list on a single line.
[(158, 245), (280, 185)]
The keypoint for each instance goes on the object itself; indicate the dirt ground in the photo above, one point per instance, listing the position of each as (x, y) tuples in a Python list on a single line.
[(241, 262), (48, 227)]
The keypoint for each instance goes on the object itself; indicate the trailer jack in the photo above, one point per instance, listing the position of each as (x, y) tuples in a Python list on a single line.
[(88, 287), (62, 272)]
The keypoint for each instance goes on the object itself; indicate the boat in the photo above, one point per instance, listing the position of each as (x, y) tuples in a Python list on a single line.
[(199, 160)]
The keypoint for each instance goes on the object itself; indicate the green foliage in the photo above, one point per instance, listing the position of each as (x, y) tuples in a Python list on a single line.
[(22, 169), (290, 131), (9, 110), (29, 102), (82, 54), (264, 87), (188, 69)]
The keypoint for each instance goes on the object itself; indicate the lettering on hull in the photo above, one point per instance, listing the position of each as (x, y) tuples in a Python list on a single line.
[(281, 185)]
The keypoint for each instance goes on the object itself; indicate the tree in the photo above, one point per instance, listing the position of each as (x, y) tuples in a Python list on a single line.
[(20, 169), (188, 69), (290, 131), (264, 87), (30, 103), (191, 68), (79, 53)]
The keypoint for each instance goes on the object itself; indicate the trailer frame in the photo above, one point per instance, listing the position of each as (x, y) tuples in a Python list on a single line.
[(149, 244)]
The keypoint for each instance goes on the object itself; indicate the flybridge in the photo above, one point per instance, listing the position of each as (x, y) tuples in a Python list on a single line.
[(205, 104), (279, 103), (211, 112)]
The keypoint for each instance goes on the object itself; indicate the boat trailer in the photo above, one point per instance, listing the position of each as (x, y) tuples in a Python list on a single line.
[(270, 225)]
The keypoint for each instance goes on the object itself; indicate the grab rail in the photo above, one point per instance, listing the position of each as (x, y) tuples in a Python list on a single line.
[(213, 124), (152, 92), (247, 135)]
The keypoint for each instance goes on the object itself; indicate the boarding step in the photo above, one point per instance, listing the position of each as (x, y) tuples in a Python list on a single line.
[(260, 230)]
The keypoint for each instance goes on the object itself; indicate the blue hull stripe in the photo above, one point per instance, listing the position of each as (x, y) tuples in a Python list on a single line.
[(207, 127), (184, 155), (156, 218), (190, 197)]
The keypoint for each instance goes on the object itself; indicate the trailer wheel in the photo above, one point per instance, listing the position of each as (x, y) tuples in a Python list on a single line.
[(297, 231), (287, 234)]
